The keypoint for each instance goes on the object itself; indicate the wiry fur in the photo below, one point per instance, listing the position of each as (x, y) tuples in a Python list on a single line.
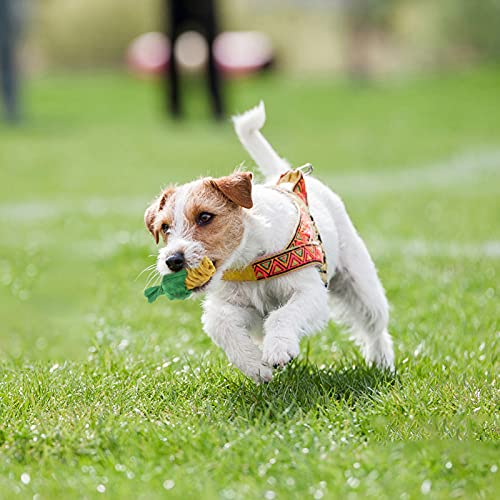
[(280, 311)]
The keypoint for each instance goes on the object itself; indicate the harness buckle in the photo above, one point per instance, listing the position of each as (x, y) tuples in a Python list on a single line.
[(306, 169)]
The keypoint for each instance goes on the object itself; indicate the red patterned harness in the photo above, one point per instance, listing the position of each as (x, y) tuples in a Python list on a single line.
[(305, 247)]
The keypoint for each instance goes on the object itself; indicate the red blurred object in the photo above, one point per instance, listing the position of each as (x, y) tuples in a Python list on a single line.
[(235, 52), (242, 52), (149, 54)]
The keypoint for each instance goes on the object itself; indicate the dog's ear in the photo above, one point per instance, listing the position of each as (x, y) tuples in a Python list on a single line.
[(236, 187), (152, 212), (150, 218)]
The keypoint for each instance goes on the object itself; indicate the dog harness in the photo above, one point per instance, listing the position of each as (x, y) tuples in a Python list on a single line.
[(305, 247)]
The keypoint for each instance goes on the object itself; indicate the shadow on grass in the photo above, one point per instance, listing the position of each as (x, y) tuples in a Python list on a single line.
[(304, 387)]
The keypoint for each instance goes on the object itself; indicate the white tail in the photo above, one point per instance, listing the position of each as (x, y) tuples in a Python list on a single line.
[(248, 127)]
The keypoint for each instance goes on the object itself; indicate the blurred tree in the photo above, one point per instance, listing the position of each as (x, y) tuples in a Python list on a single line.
[(366, 21), (473, 25), (90, 33)]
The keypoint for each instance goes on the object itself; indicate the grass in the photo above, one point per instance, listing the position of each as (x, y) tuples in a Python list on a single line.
[(103, 394)]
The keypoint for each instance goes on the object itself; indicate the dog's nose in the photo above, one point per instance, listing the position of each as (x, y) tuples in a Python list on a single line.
[(175, 262)]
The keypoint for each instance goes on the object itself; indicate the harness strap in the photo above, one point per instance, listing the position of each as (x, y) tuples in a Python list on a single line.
[(305, 247)]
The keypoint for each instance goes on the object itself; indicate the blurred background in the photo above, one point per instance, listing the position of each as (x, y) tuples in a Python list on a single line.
[(377, 37), (360, 39), (395, 102)]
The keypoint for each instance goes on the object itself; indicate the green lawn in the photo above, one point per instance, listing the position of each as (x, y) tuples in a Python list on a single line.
[(101, 393)]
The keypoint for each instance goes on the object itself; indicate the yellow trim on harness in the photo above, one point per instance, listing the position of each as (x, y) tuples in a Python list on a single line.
[(245, 274)]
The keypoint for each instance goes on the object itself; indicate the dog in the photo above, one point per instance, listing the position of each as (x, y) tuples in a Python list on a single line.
[(234, 222)]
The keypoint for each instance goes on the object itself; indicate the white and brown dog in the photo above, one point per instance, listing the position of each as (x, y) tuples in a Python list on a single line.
[(233, 222)]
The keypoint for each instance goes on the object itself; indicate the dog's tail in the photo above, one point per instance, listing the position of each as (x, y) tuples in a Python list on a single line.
[(248, 127)]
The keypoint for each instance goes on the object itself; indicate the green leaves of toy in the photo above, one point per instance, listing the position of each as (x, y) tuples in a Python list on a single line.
[(173, 286), (153, 292)]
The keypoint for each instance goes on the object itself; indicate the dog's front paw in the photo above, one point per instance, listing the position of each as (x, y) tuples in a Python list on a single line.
[(279, 351), (380, 352), (259, 373)]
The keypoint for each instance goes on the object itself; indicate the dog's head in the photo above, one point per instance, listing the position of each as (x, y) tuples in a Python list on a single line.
[(202, 218)]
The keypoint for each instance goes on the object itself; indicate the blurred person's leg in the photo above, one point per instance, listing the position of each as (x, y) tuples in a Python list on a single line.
[(173, 24), (213, 75), (214, 82), (200, 15), (8, 77), (173, 78)]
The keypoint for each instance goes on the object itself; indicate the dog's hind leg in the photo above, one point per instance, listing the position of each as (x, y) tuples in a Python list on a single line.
[(357, 297)]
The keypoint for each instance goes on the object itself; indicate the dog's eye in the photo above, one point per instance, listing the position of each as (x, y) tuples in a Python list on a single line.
[(204, 218), (165, 228)]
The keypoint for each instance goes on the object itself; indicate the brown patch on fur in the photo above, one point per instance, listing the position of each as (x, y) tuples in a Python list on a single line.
[(149, 220), (223, 234), (167, 193), (151, 215), (236, 187)]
